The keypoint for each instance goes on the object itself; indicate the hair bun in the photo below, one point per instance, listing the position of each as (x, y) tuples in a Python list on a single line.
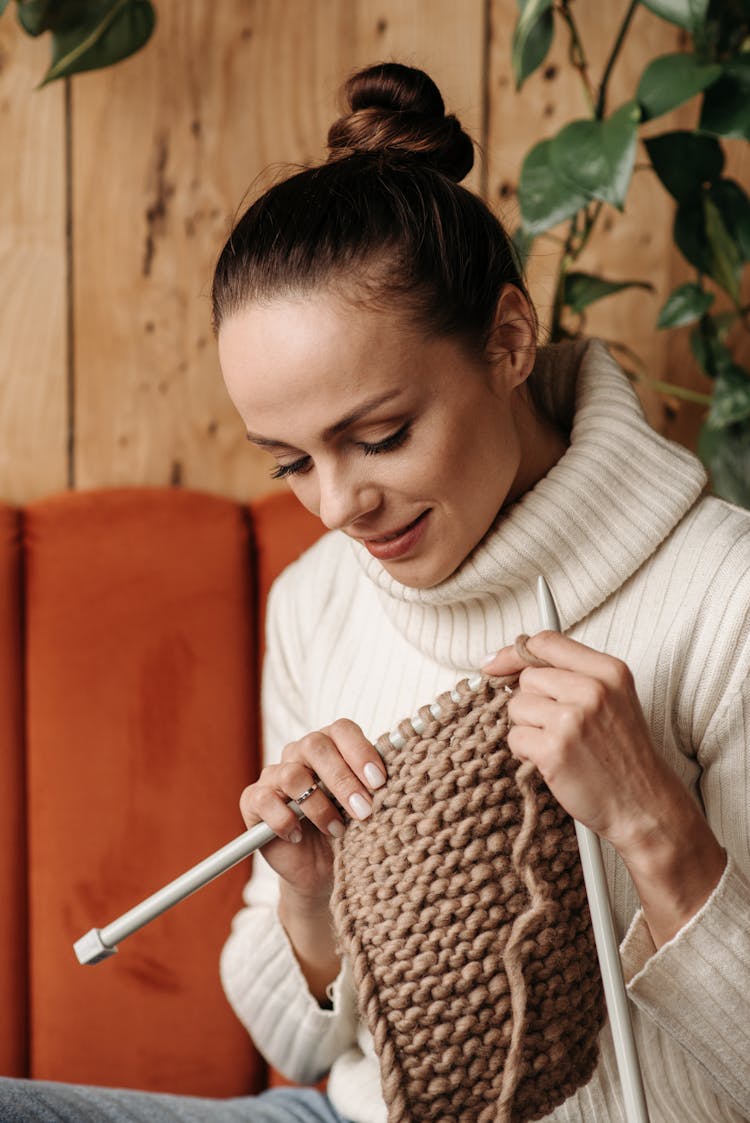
[(395, 108)]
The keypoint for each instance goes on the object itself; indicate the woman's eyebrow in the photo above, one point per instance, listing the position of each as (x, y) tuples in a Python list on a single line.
[(338, 426)]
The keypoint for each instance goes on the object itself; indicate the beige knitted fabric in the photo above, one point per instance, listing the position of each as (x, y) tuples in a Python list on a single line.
[(461, 906)]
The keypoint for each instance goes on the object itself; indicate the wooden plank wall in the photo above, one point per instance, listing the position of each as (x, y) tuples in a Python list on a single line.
[(33, 274), (108, 372)]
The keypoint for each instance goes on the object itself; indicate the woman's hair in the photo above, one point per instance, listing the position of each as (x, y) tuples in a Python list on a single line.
[(383, 221)]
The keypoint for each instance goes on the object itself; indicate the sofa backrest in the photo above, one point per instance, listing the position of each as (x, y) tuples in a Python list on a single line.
[(13, 913), (142, 609)]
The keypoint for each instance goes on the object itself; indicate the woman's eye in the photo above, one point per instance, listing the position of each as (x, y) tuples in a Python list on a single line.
[(388, 444), (294, 469)]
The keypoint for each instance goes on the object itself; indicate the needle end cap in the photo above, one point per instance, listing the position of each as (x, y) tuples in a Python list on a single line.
[(91, 948)]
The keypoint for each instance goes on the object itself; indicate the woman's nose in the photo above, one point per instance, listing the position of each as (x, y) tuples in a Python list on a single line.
[(344, 498)]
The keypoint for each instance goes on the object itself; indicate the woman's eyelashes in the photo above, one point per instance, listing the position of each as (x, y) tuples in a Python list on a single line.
[(370, 448), (294, 469), (388, 444)]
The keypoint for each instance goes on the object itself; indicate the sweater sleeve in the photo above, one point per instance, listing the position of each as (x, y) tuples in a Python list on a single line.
[(697, 986), (259, 971)]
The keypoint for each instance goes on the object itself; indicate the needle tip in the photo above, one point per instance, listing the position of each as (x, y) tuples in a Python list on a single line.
[(548, 617)]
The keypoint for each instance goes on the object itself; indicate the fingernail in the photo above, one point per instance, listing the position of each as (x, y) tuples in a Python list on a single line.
[(336, 828), (374, 776), (296, 836), (359, 805), (488, 658)]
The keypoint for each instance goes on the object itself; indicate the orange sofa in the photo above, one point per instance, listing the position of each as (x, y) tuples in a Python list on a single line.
[(130, 646)]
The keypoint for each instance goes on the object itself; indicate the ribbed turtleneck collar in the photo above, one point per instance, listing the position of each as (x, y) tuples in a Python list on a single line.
[(587, 526)]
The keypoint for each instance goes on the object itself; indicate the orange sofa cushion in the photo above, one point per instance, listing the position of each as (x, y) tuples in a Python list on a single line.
[(13, 976), (142, 732), (130, 654)]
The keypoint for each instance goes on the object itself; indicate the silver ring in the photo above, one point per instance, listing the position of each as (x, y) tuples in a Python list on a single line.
[(306, 794)]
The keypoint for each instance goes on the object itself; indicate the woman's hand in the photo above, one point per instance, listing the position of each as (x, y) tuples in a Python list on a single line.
[(338, 760), (579, 720)]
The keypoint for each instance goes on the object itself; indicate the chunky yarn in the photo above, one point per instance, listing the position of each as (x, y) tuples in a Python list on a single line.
[(461, 907)]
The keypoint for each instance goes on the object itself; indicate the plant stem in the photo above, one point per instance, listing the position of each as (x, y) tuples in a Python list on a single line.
[(590, 219), (578, 55), (567, 259), (684, 393), (575, 243), (601, 103)]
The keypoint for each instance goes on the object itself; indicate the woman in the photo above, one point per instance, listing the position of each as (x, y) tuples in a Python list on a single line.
[(377, 340)]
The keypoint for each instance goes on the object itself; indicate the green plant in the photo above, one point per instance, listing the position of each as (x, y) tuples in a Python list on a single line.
[(590, 162), (86, 34)]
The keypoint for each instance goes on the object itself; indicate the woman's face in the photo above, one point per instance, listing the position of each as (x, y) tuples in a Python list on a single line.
[(401, 441)]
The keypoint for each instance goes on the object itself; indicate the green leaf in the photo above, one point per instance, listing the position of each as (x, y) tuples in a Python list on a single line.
[(36, 16), (731, 400), (597, 156), (689, 14), (726, 262), (690, 233), (582, 289), (726, 454), (726, 105), (733, 205), (532, 38), (701, 235), (545, 197), (110, 31), (684, 161), (685, 305), (671, 80), (725, 30), (708, 347)]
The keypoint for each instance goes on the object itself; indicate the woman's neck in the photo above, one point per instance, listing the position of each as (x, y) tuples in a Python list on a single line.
[(542, 445)]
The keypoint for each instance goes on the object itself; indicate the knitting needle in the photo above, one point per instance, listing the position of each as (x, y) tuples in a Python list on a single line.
[(101, 943), (604, 932)]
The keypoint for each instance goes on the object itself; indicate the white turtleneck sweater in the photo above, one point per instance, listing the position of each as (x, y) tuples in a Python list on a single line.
[(641, 567)]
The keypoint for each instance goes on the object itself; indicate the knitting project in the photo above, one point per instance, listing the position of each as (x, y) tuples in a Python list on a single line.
[(461, 906)]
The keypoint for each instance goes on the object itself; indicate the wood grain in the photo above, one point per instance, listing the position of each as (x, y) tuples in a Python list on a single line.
[(168, 145), (33, 352), (163, 153)]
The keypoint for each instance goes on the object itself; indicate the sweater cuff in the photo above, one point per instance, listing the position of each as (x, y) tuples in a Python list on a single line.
[(638, 947), (695, 987), (269, 993)]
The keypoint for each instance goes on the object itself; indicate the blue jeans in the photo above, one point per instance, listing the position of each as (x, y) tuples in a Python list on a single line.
[(38, 1101)]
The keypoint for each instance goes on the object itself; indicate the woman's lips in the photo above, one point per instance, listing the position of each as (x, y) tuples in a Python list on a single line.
[(386, 548)]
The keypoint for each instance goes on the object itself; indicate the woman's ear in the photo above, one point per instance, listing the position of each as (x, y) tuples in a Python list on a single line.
[(511, 346)]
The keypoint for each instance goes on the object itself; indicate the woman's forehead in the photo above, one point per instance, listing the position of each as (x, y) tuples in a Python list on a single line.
[(308, 345), (299, 370)]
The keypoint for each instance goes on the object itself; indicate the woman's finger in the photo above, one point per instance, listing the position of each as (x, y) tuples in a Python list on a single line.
[(361, 756), (348, 768), (562, 653), (504, 662), (567, 654), (263, 802), (567, 687), (532, 709)]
